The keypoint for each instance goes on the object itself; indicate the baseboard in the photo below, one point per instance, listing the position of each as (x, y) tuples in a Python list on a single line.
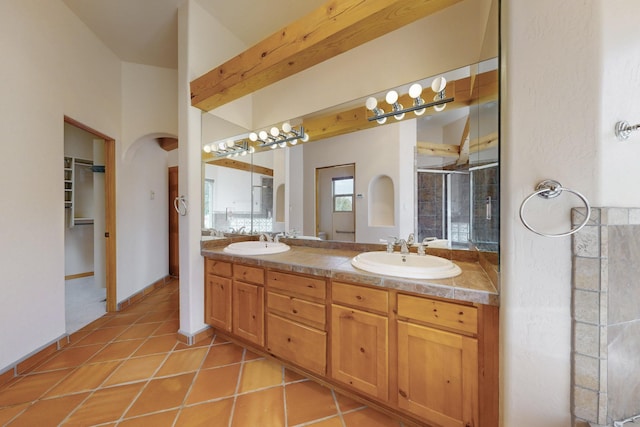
[(190, 339), (144, 292), (79, 275)]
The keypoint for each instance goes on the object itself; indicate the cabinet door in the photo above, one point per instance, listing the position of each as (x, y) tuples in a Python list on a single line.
[(217, 298), (438, 375), (359, 354), (248, 312)]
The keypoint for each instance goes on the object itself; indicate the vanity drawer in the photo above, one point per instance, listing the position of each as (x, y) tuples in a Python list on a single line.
[(302, 345), (219, 268), (460, 317), (248, 274), (360, 297), (297, 285), (298, 310)]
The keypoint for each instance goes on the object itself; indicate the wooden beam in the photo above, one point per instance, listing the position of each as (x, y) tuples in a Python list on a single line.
[(168, 144), (484, 143), (464, 144), (332, 29), (235, 164), (438, 150)]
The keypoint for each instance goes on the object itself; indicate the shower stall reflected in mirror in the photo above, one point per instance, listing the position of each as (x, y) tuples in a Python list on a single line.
[(458, 208)]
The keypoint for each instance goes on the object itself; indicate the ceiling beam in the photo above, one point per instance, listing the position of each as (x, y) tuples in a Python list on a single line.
[(464, 143), (438, 150), (235, 164), (332, 29)]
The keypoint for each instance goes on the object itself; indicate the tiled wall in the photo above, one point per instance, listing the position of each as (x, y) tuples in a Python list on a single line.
[(606, 317), (430, 199)]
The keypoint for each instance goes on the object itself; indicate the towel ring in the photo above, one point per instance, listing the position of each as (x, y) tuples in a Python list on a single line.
[(549, 189), (184, 206)]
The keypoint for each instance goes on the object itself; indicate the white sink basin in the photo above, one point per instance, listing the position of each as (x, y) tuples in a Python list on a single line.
[(410, 266), (255, 247)]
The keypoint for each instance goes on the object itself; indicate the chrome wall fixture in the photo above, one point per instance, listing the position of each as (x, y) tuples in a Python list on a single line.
[(279, 137), (419, 106), (624, 129), (229, 148)]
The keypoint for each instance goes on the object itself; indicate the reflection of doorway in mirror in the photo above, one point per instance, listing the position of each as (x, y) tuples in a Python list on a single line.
[(208, 208), (335, 186)]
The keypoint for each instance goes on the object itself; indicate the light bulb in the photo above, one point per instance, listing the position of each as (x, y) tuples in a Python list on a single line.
[(382, 120), (419, 112), (282, 144), (244, 153), (263, 135), (415, 90), (253, 136), (274, 131), (286, 127), (206, 148), (230, 143), (371, 103), (441, 106), (293, 142), (213, 147), (222, 146), (438, 84), (305, 137), (273, 146), (399, 116), (252, 149), (236, 154), (392, 97)]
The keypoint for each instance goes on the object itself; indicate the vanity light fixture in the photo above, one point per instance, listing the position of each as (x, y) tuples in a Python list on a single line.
[(279, 137), (419, 105), (229, 148)]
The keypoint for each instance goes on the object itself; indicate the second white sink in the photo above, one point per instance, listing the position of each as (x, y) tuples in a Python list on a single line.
[(255, 247), (410, 266)]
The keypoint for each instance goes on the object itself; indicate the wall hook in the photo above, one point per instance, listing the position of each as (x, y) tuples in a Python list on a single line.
[(624, 129)]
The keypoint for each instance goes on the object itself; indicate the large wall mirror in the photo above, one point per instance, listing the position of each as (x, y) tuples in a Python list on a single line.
[(434, 174)]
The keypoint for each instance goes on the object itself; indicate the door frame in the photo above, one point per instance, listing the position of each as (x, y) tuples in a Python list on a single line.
[(110, 210)]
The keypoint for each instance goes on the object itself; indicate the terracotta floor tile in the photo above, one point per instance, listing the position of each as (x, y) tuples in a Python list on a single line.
[(370, 418), (125, 318), (103, 335), (11, 411), (223, 354), (331, 422), (157, 316), (104, 405), (214, 383), (170, 326), (142, 330), (182, 361), (70, 357), (308, 401), (30, 387), (49, 412), (159, 344), (162, 419), (260, 374), (263, 408), (136, 369), (163, 393), (86, 377), (346, 404), (117, 350), (213, 414)]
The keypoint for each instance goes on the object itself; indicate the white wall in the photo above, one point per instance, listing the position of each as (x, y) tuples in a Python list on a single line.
[(551, 123), (50, 65)]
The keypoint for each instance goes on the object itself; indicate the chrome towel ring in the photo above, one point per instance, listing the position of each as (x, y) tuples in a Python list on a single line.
[(180, 205), (549, 189)]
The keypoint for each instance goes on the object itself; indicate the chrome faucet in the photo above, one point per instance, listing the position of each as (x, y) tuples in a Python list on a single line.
[(404, 249), (264, 237), (391, 242), (411, 239)]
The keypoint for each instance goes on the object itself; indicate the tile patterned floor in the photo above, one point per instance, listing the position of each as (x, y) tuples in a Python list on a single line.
[(128, 369)]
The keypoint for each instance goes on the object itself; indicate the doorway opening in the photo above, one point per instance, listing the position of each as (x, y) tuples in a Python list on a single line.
[(90, 245), (335, 207)]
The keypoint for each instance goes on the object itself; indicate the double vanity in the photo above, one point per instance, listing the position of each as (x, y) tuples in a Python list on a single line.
[(425, 350)]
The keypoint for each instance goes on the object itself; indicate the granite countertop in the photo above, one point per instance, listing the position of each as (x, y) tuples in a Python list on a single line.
[(334, 261)]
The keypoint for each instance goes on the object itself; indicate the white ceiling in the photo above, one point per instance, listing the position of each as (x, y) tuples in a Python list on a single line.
[(146, 31)]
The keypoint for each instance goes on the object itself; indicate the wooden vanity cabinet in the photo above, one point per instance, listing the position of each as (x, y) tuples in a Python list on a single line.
[(438, 361), (360, 338), (218, 294), (248, 303), (296, 319)]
